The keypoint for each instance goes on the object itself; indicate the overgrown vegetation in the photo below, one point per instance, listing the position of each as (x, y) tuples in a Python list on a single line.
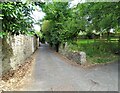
[(16, 18), (97, 51), (64, 24)]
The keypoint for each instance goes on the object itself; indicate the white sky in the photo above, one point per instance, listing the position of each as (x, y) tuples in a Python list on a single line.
[(36, 27), (38, 14), (75, 2)]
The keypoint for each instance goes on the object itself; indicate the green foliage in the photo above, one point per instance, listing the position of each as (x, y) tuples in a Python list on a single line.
[(16, 18), (46, 26), (39, 34), (63, 24), (101, 15), (97, 51), (56, 15), (2, 34), (68, 22)]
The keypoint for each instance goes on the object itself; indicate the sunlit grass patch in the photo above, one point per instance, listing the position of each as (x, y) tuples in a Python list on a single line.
[(96, 51)]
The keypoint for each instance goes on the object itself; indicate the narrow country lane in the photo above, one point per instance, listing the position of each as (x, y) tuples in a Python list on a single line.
[(52, 73)]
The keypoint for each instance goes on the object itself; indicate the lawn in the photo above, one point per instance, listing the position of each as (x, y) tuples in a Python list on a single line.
[(97, 51)]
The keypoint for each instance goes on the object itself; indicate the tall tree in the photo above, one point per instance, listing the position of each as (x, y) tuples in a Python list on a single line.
[(56, 13), (102, 16)]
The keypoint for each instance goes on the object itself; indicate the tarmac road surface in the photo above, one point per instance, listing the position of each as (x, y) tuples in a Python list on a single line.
[(52, 73)]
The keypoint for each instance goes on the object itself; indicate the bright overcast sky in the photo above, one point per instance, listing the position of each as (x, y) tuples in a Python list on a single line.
[(38, 14), (75, 2)]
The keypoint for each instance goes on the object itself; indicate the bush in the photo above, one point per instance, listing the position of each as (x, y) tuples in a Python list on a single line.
[(97, 52)]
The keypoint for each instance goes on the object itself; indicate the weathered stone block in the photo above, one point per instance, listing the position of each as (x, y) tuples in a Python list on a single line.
[(79, 58), (82, 57)]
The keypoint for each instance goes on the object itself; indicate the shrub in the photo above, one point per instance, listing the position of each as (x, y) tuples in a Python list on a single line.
[(97, 52)]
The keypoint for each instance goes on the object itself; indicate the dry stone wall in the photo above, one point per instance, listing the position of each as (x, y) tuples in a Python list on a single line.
[(15, 49), (78, 57)]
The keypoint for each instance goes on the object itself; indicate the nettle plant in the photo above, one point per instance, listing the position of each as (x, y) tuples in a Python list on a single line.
[(15, 18)]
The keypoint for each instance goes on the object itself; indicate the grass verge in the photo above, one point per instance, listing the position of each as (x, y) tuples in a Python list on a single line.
[(96, 51)]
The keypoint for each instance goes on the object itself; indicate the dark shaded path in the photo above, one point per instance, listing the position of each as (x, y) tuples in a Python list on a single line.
[(51, 73)]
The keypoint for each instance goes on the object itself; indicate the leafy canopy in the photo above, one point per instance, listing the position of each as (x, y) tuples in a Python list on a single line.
[(65, 23), (15, 17)]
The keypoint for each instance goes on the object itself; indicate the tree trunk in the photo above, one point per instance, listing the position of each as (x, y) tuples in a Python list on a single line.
[(63, 45), (119, 46), (57, 47), (119, 49), (51, 44), (108, 35)]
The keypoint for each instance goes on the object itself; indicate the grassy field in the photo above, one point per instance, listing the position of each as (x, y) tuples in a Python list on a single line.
[(97, 51)]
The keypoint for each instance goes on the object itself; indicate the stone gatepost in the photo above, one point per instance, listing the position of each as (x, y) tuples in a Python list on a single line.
[(83, 57)]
